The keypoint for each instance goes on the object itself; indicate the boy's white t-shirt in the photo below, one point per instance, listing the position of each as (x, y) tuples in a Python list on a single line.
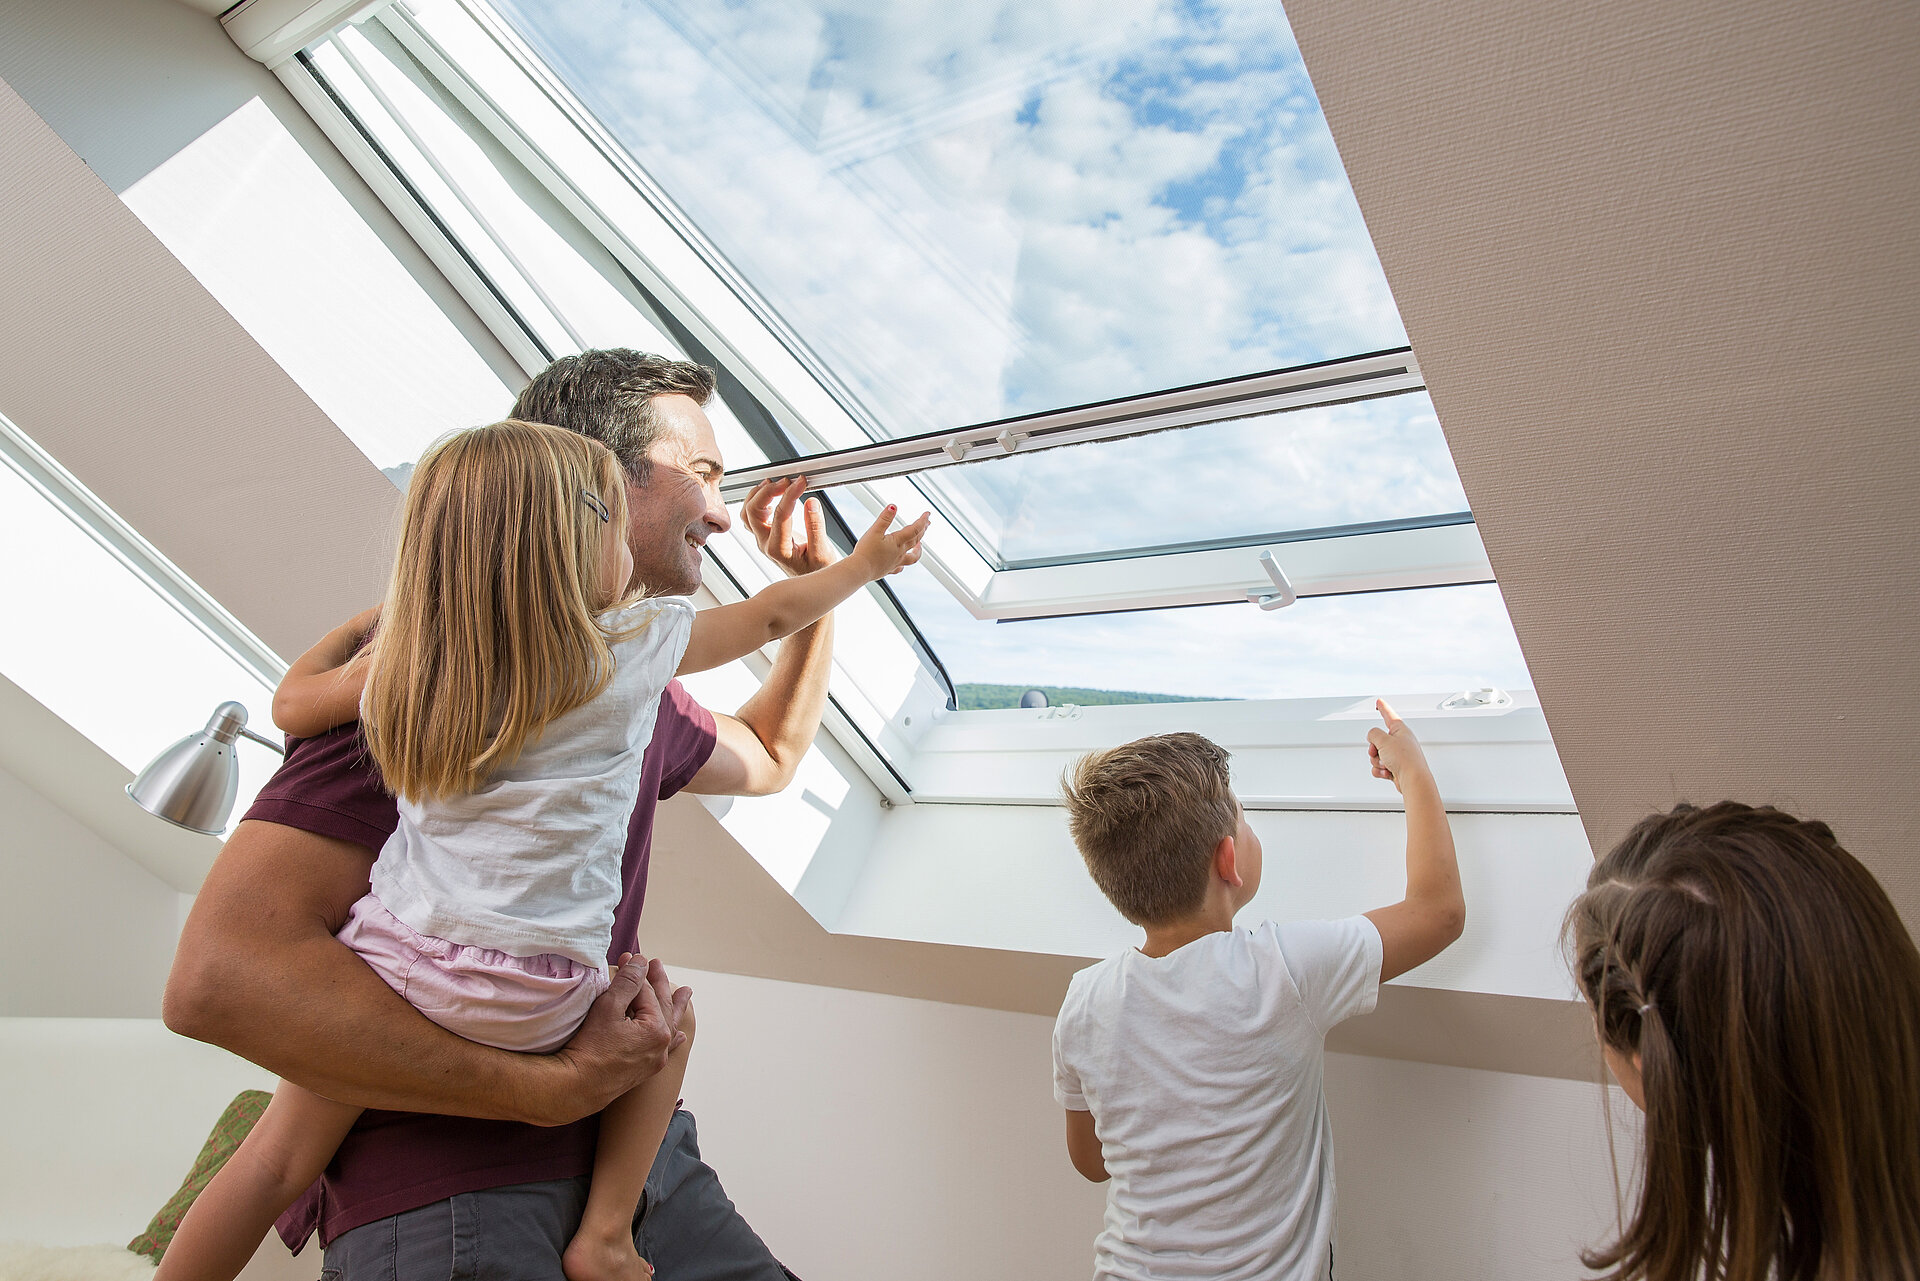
[(1203, 1071), (530, 864)]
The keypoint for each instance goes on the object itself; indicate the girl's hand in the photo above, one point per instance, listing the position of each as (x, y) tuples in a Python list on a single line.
[(880, 553), (1394, 752)]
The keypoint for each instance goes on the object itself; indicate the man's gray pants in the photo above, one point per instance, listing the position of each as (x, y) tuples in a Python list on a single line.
[(687, 1229)]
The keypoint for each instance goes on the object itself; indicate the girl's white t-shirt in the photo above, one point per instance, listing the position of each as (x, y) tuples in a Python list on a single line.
[(530, 864), (1203, 1071)]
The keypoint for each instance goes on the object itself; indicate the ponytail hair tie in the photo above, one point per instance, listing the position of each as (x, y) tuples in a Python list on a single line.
[(1645, 1008)]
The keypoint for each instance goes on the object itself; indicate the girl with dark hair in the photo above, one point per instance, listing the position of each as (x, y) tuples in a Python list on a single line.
[(1757, 996)]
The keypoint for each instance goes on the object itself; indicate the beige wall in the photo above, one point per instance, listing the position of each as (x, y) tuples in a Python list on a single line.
[(871, 1138), (84, 930), (103, 1118)]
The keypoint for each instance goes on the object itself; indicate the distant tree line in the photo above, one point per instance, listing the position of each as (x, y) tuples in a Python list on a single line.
[(976, 698)]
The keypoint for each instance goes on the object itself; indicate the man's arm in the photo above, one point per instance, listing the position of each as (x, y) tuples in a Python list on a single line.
[(258, 972), (757, 750), (1083, 1147)]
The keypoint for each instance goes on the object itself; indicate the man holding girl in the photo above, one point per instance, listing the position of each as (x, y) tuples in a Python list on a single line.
[(467, 1152)]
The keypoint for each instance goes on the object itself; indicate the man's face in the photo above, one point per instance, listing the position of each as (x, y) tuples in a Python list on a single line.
[(679, 508)]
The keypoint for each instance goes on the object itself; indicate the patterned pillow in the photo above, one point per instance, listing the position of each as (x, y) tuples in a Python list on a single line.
[(233, 1126)]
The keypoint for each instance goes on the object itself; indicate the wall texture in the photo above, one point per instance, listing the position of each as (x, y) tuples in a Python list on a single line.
[(84, 930), (103, 1118), (871, 1138)]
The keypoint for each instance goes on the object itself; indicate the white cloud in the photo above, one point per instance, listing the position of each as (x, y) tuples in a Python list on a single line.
[(978, 210)]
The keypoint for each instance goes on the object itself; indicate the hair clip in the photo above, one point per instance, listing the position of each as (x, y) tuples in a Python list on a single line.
[(596, 502)]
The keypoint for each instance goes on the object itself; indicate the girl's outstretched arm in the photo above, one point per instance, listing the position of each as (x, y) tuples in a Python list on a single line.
[(322, 688), (727, 632)]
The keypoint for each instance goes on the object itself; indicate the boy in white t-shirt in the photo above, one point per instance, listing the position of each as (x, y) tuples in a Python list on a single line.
[(1191, 1067)]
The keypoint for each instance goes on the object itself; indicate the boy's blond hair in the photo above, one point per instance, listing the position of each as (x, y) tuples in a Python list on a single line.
[(1147, 816), (489, 629)]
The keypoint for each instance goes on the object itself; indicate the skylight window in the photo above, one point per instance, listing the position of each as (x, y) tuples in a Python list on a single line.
[(1437, 640), (974, 211), (1086, 279), (1088, 282)]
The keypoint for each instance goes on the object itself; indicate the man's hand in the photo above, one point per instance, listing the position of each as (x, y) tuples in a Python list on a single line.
[(768, 512), (625, 1039), (759, 748)]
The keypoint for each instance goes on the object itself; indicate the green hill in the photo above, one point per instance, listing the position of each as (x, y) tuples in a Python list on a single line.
[(976, 698)]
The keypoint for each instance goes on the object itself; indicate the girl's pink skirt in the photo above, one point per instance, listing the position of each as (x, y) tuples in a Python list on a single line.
[(527, 1003)]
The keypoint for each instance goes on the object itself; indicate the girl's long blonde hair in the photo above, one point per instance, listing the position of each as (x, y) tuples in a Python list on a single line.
[(489, 629)]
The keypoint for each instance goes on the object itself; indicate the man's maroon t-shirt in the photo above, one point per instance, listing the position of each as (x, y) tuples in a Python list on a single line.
[(398, 1161)]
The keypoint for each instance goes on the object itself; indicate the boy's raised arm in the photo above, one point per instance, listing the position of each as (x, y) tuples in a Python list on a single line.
[(1434, 912)]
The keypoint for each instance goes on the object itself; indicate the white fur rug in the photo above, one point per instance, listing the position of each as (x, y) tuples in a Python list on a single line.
[(22, 1262)]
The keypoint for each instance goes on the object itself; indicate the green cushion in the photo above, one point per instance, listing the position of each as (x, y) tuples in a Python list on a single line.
[(232, 1127)]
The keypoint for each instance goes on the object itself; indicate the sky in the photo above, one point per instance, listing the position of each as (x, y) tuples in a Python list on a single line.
[(1351, 464), (977, 210), (1435, 640)]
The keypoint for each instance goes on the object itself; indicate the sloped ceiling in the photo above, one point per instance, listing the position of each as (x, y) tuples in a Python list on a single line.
[(67, 768), (116, 361), (1659, 265)]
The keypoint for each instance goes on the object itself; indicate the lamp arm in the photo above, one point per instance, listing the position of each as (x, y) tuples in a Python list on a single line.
[(262, 740)]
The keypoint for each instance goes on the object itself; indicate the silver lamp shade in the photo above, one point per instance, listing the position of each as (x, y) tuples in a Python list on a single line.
[(193, 783)]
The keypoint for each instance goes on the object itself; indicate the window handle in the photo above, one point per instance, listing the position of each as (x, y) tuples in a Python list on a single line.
[(1282, 594)]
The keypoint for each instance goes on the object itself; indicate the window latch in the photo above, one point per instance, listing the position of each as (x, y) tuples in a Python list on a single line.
[(1282, 594)]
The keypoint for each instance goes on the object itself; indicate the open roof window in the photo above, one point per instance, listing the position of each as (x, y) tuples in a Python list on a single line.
[(1089, 282)]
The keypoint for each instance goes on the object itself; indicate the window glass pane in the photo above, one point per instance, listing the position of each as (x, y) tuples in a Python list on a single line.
[(556, 275), (1431, 640), (268, 234), (971, 211), (104, 651), (1255, 479)]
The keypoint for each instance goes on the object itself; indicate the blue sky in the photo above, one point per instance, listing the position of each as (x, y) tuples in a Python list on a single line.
[(977, 210)]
